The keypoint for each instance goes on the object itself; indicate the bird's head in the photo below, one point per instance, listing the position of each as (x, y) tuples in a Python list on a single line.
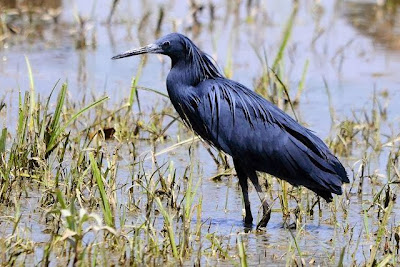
[(174, 45), (180, 49)]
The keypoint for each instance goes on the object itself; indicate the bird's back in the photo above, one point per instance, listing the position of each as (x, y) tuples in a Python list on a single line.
[(249, 128)]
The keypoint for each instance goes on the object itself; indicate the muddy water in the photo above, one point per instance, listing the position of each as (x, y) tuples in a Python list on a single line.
[(353, 46)]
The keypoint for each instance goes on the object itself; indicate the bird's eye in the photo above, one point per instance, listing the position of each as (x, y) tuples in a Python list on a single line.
[(165, 44)]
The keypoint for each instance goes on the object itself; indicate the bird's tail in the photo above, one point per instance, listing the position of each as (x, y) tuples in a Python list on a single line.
[(327, 176)]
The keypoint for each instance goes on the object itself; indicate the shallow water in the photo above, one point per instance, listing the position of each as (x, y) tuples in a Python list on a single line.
[(349, 44)]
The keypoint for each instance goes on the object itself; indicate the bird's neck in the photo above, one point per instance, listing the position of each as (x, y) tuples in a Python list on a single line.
[(193, 69), (183, 73)]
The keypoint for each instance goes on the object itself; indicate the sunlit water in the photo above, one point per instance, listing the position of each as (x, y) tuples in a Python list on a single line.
[(353, 57)]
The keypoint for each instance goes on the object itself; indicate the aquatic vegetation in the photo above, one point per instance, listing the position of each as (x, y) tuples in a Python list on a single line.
[(95, 171)]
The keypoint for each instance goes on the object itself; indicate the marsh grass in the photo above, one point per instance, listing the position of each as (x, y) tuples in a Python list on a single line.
[(100, 183), (79, 181)]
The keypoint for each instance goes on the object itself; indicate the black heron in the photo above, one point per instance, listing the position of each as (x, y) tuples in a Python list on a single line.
[(257, 134)]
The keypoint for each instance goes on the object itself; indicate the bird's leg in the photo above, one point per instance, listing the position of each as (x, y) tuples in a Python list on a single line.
[(248, 220), (266, 208)]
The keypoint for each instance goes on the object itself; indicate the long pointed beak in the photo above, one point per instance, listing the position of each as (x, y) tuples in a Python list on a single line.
[(151, 48)]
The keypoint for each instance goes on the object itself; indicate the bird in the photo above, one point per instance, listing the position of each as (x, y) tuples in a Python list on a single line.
[(258, 135)]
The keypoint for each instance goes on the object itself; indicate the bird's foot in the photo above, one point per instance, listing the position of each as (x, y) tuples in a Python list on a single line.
[(248, 221), (266, 216), (264, 220)]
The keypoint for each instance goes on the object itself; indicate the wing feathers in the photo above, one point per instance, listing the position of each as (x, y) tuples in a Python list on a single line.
[(245, 125)]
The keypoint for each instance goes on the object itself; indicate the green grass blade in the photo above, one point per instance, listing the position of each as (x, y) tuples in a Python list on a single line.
[(57, 113), (134, 92), (300, 88), (43, 124), (286, 36), (341, 259), (152, 90), (22, 117), (63, 205), (60, 130), (3, 138), (380, 234), (105, 205), (242, 252), (168, 222)]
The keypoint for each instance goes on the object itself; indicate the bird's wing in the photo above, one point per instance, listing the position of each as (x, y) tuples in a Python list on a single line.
[(243, 124)]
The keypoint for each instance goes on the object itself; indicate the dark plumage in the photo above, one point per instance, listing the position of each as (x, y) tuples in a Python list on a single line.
[(258, 135)]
